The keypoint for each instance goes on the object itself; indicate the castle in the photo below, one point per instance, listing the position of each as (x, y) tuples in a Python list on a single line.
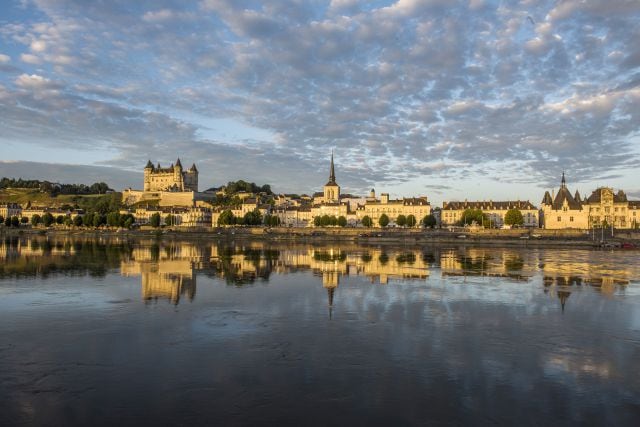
[(173, 178)]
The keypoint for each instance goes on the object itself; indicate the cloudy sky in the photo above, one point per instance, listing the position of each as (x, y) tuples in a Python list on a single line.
[(450, 99)]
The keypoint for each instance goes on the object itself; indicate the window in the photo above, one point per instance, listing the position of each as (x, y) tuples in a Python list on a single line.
[(559, 219), (570, 219)]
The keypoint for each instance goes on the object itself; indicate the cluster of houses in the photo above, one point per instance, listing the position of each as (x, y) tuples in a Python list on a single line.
[(172, 193)]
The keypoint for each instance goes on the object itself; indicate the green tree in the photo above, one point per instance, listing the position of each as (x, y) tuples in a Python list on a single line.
[(24, 220), (469, 216), (383, 221), (317, 221), (68, 221), (87, 220), (128, 222), (226, 218), (401, 220), (429, 221), (411, 221), (513, 217), (113, 219), (99, 219), (271, 220), (7, 222), (169, 220), (59, 219), (1, 217), (47, 219), (325, 220), (15, 221), (366, 221), (342, 221), (154, 220), (35, 220), (252, 218), (77, 221)]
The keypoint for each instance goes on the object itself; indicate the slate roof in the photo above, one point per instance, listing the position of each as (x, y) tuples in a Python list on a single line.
[(565, 195), (596, 196), (489, 205)]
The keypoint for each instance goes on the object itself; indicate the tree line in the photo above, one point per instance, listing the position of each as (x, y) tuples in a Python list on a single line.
[(53, 188)]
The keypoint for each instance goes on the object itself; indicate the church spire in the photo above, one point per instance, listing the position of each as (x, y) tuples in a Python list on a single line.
[(332, 172), (564, 181)]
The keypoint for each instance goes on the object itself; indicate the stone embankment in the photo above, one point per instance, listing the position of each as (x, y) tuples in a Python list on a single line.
[(374, 236)]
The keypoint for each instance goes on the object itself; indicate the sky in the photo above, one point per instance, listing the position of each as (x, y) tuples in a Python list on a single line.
[(477, 100)]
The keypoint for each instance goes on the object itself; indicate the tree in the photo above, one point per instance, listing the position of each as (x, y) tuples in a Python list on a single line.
[(77, 220), (469, 216), (7, 221), (15, 221), (35, 220), (317, 221), (99, 220), (411, 221), (513, 217), (252, 218), (342, 221), (113, 219), (154, 220), (1, 217), (68, 221), (24, 220), (59, 219), (271, 220), (401, 220), (226, 218), (47, 219), (429, 221), (169, 220), (383, 221), (366, 221), (87, 220)]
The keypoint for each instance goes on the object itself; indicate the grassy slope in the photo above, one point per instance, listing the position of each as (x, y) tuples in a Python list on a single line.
[(24, 195)]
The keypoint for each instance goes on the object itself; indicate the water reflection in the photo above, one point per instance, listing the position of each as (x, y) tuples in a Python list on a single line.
[(479, 333), (169, 269)]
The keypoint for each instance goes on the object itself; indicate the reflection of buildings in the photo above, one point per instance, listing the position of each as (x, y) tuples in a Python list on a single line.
[(167, 272), (486, 262), (170, 279)]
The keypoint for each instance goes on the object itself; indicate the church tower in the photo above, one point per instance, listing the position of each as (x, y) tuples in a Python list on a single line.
[(331, 188)]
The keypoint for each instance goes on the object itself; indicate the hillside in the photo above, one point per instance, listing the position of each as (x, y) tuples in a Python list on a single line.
[(38, 198)]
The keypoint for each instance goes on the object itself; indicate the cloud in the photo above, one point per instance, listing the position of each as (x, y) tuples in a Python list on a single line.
[(397, 86)]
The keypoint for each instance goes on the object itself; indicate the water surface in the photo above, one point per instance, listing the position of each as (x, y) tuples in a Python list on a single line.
[(115, 331)]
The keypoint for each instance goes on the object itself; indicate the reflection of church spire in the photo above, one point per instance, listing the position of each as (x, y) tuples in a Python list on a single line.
[(563, 296), (330, 292)]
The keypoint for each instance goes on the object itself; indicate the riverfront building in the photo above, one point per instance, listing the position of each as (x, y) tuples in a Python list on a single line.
[(603, 208), (453, 212)]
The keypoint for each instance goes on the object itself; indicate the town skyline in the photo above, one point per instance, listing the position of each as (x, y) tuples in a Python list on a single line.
[(452, 100)]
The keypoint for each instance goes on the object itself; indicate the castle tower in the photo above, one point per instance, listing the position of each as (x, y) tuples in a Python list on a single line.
[(177, 175), (148, 170), (331, 188)]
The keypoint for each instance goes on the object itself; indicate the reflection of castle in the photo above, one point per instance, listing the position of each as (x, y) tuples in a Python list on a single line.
[(167, 272), (170, 279)]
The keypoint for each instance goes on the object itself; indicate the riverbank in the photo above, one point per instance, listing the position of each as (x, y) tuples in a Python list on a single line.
[(527, 238)]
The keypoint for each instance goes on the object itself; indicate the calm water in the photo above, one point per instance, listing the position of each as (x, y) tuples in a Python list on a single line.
[(115, 332)]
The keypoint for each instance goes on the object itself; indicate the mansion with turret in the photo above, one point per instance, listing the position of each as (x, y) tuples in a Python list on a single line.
[(603, 208)]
